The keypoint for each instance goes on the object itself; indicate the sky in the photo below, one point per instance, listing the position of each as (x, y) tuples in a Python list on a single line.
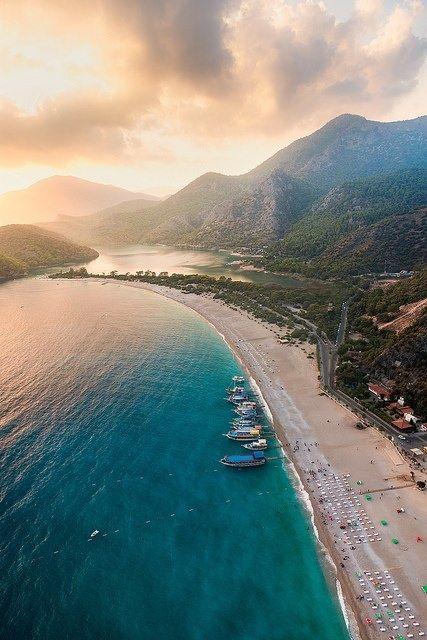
[(149, 94)]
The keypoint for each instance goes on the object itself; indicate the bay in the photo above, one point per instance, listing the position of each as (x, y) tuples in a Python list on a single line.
[(111, 418)]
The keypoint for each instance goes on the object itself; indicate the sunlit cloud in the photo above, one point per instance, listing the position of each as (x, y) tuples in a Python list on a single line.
[(100, 82)]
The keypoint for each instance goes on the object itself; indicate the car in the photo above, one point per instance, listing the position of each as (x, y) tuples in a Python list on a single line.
[(401, 437)]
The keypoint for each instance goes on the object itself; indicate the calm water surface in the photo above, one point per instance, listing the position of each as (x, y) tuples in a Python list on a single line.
[(111, 414), (162, 258)]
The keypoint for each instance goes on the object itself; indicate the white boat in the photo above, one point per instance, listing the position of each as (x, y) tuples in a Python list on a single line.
[(94, 533), (238, 395), (247, 409), (244, 434), (256, 445)]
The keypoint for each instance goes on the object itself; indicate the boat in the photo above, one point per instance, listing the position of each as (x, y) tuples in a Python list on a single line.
[(245, 427), (238, 395), (244, 434), (236, 381), (254, 459), (94, 533), (256, 445), (247, 409), (243, 422)]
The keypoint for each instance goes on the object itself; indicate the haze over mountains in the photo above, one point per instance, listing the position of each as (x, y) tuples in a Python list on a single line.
[(57, 195), (262, 206)]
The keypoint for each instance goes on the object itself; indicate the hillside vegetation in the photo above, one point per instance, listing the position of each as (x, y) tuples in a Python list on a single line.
[(27, 247), (372, 353), (302, 193)]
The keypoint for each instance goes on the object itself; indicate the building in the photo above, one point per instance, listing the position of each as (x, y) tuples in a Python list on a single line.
[(410, 417), (379, 391), (402, 425)]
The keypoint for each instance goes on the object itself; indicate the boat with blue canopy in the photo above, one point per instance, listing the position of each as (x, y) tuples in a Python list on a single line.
[(253, 459)]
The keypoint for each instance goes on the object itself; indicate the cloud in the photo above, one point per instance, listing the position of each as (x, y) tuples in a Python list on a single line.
[(124, 71)]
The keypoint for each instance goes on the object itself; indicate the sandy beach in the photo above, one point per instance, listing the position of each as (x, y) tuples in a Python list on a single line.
[(356, 480)]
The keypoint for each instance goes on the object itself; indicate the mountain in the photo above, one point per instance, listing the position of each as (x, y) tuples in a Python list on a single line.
[(350, 147), (394, 244), (360, 226), (67, 195), (25, 247), (261, 206)]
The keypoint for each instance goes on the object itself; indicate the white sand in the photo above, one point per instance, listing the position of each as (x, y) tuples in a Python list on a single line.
[(289, 383)]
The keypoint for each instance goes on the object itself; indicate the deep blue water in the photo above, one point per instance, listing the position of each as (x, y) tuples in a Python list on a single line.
[(111, 414)]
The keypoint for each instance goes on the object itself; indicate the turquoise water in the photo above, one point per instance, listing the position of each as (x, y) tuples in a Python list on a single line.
[(111, 415)]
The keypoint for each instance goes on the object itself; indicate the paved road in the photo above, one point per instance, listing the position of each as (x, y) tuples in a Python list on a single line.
[(328, 355)]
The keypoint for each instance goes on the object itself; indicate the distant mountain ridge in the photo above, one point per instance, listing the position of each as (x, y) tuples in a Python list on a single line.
[(56, 195), (297, 186)]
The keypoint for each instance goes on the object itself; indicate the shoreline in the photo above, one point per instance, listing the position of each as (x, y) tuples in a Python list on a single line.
[(340, 591), (288, 385)]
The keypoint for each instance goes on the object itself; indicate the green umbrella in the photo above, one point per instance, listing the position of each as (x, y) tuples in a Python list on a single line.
[(395, 541), (384, 523), (368, 496)]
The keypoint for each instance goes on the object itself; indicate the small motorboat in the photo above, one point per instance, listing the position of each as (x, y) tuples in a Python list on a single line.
[(256, 445), (94, 533)]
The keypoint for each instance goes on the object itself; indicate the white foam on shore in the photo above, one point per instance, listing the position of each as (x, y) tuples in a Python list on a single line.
[(305, 499), (300, 488)]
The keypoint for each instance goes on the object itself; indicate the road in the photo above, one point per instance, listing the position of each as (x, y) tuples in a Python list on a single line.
[(328, 354), (328, 360)]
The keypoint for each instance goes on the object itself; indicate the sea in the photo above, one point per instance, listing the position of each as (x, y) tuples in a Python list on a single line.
[(112, 415)]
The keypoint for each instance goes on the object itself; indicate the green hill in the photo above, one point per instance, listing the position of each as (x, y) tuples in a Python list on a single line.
[(27, 247), (373, 353), (262, 205), (362, 226)]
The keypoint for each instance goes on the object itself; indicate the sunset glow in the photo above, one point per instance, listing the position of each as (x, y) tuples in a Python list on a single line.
[(151, 94)]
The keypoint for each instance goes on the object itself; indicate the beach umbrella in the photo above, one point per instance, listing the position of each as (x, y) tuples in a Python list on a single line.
[(368, 496), (395, 541), (424, 588), (384, 523)]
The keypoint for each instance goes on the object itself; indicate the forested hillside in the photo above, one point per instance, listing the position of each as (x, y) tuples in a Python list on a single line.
[(375, 353), (302, 193), (27, 247)]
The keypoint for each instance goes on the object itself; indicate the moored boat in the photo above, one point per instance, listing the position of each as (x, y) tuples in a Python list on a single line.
[(243, 423), (243, 427), (236, 381), (238, 395), (247, 409), (254, 459), (244, 434), (256, 445)]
